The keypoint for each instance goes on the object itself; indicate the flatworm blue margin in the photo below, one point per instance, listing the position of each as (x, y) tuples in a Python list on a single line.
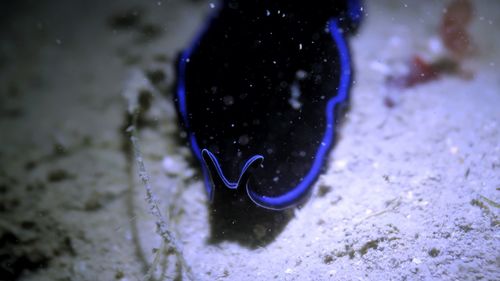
[(290, 198), (181, 94)]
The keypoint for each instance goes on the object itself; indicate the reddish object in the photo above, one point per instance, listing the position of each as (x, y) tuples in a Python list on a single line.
[(420, 72), (453, 28), (453, 31)]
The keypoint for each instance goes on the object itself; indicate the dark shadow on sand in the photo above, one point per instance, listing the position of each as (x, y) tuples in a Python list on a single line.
[(234, 217)]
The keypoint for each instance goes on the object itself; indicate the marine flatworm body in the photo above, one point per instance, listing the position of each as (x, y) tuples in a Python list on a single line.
[(260, 91)]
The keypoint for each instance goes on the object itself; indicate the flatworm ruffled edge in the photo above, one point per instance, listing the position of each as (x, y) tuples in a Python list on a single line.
[(292, 197)]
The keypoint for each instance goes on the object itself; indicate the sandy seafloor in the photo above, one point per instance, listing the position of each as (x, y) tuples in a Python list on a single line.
[(411, 192)]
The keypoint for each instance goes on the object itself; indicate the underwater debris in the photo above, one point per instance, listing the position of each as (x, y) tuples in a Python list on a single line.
[(421, 71), (453, 29), (132, 148), (434, 252), (133, 20), (59, 175), (458, 45), (126, 19), (149, 31)]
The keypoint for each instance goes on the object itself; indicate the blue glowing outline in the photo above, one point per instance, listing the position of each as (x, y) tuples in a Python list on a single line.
[(290, 198), (181, 95), (243, 178), (354, 11)]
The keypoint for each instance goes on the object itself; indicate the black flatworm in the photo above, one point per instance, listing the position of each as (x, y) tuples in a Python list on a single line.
[(259, 93)]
